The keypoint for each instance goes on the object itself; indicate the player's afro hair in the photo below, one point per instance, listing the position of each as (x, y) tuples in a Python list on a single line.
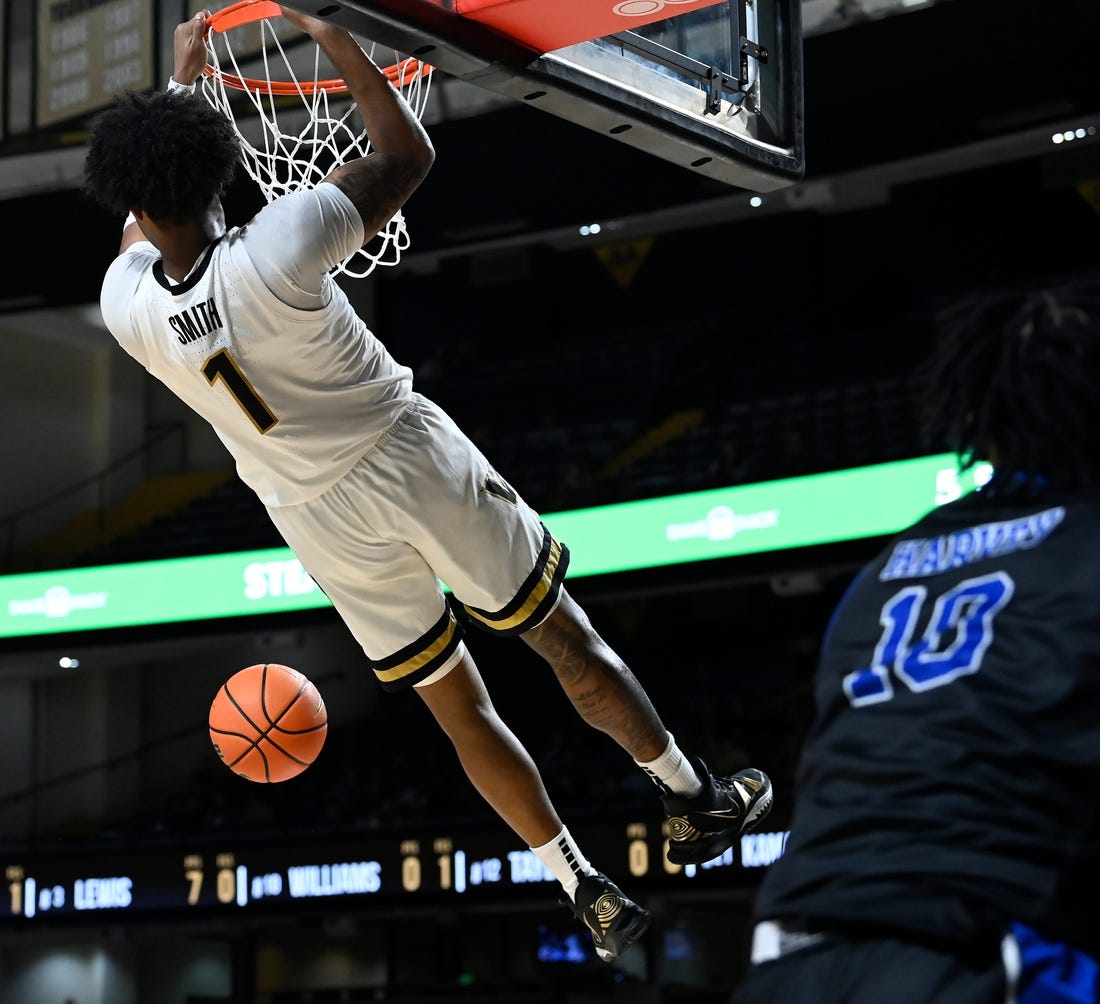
[(168, 154), (1017, 377)]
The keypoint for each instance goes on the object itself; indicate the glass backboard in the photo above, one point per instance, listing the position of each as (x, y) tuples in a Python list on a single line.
[(715, 87)]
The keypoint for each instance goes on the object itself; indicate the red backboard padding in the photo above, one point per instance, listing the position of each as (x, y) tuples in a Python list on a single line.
[(547, 25)]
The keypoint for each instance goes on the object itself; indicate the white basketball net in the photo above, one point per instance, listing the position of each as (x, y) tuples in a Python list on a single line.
[(299, 137)]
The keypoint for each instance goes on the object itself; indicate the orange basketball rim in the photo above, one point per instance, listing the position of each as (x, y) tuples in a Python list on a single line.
[(252, 11)]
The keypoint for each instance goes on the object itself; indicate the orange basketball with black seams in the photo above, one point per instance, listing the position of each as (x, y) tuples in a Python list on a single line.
[(268, 723)]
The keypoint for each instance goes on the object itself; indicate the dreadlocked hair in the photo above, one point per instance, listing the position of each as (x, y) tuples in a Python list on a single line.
[(1016, 379), (169, 154)]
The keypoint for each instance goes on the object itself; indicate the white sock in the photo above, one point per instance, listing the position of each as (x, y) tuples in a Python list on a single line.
[(673, 772), (564, 858)]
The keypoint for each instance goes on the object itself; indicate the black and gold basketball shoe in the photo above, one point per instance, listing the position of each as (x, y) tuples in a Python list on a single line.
[(614, 919), (702, 827)]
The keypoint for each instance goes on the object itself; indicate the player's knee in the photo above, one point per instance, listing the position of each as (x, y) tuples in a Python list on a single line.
[(567, 626)]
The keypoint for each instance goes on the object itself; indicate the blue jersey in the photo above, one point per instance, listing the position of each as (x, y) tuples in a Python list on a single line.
[(950, 781)]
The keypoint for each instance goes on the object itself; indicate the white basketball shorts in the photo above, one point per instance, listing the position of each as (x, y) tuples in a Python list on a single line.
[(422, 508)]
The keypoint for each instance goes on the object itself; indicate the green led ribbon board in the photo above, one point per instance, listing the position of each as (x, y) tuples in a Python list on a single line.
[(699, 526)]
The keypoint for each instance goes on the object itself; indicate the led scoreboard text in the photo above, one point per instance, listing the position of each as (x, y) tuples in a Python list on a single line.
[(265, 877), (650, 533)]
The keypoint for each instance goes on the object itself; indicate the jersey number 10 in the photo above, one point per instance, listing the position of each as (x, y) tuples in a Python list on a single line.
[(958, 634)]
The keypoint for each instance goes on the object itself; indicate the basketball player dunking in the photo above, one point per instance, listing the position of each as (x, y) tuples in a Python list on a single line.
[(373, 486)]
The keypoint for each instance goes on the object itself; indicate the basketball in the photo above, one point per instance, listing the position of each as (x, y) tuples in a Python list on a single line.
[(268, 723)]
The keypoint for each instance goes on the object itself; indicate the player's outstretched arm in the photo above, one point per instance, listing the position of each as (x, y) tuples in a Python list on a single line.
[(188, 62), (401, 152), (189, 50)]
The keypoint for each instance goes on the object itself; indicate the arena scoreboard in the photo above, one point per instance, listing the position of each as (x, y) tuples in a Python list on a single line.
[(428, 868)]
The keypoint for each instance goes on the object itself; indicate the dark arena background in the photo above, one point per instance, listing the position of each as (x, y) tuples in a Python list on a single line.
[(632, 344)]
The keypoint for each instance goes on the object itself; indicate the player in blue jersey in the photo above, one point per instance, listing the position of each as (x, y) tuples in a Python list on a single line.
[(948, 788), (379, 494)]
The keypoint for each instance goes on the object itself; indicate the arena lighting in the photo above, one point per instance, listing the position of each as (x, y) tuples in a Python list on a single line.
[(756, 202), (1069, 135), (68, 662), (590, 229), (719, 523)]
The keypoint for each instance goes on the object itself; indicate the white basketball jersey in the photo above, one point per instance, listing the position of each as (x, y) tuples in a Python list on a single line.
[(296, 395)]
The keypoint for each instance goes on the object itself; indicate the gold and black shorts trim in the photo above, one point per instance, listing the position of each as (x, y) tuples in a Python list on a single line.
[(423, 657), (536, 597)]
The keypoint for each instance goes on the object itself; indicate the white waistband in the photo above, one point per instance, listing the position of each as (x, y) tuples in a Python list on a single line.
[(771, 940)]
